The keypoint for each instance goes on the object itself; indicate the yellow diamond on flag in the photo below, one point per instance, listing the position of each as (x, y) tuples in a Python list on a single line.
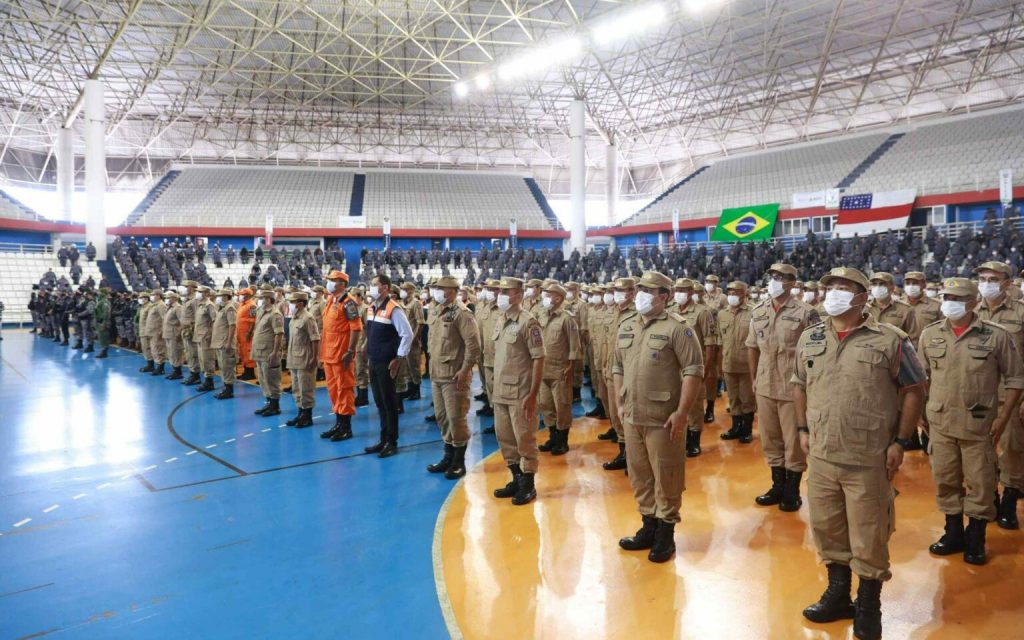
[(747, 224)]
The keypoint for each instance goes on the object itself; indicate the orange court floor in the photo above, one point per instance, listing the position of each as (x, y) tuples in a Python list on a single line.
[(553, 569)]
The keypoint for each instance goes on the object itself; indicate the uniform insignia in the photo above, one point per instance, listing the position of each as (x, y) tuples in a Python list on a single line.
[(937, 340), (760, 333), (351, 310), (818, 336), (688, 333)]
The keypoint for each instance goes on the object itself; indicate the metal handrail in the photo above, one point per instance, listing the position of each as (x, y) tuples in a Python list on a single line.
[(25, 247)]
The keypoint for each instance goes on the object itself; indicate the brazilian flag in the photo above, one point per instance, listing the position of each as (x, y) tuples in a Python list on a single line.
[(746, 224)]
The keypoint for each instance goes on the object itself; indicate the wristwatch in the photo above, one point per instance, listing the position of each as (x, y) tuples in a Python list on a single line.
[(904, 443), (803, 430)]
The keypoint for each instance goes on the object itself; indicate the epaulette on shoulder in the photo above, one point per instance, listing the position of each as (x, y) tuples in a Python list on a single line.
[(989, 323), (678, 318), (900, 333)]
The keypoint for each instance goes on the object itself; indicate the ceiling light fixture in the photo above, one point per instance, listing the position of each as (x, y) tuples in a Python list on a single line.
[(461, 89), (625, 24)]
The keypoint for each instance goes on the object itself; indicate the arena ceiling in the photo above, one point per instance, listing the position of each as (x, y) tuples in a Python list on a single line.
[(380, 82)]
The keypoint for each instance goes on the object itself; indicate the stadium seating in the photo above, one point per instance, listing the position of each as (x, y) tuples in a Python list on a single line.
[(11, 208), (19, 271)]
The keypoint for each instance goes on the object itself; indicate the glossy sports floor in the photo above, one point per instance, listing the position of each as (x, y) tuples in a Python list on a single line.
[(133, 507)]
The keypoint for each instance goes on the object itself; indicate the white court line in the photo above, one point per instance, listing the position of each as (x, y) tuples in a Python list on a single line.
[(191, 453), (211, 446), (266, 430), (248, 435), (169, 460), (103, 486), (22, 523), (281, 426), (52, 507), (229, 440), (80, 496), (150, 467)]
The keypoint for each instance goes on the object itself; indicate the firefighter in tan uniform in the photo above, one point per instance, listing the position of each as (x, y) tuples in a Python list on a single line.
[(188, 325), (518, 371), (155, 331), (267, 347), (596, 336), (659, 371), (145, 344), (223, 341), (454, 344), (172, 335), (994, 285), (623, 290), (531, 294), (885, 308), (968, 359), (562, 355), (362, 355), (926, 309), (486, 315), (303, 354), (578, 307), (410, 302), (858, 388), (317, 304), (713, 298), (733, 329), (701, 319), (206, 313), (775, 328)]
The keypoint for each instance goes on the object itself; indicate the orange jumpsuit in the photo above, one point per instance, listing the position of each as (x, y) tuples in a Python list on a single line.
[(245, 323), (341, 321)]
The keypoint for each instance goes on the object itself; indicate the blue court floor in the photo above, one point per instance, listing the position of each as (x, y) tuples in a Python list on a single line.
[(134, 507)]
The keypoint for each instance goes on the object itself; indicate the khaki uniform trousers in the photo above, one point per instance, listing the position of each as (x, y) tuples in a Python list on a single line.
[(852, 516), (451, 405), (363, 370), (158, 350), (517, 437), (554, 403), (611, 407), (147, 353), (192, 355), (695, 419), (965, 475), (303, 387), (1011, 456), (416, 363), (207, 356), (269, 374), (226, 360), (711, 379), (780, 441), (657, 470), (741, 393), (402, 379), (577, 374), (487, 373), (175, 351)]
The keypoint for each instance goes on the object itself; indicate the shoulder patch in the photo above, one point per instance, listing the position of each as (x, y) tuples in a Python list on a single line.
[(351, 309)]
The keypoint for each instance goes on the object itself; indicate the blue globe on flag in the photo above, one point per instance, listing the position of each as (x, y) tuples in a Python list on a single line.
[(746, 225)]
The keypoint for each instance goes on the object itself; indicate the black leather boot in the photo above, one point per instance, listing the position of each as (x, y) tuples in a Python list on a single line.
[(345, 431), (102, 354), (377, 448), (609, 435), (1007, 518), (334, 429), (512, 488), (664, 542), (175, 374), (458, 465), (577, 394), (952, 541), (485, 411), (247, 374), (305, 418), (298, 416), (736, 430), (552, 439), (618, 463), (974, 541), (431, 418), (480, 397), (263, 410), (692, 444), (88, 349), (193, 378), (748, 428), (597, 411), (362, 397), (445, 462), (561, 446), (527, 492), (226, 393), (835, 603), (709, 412), (390, 449), (643, 538), (206, 386), (274, 409), (791, 500), (867, 617), (320, 375), (414, 392), (158, 370), (78, 345), (774, 495), (148, 368)]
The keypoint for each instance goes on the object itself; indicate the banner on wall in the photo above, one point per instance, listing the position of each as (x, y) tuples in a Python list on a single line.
[(809, 200), (351, 222), (832, 197), (867, 213), (1006, 186), (268, 231), (746, 224)]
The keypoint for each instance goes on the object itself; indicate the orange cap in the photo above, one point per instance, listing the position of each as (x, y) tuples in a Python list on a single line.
[(337, 275)]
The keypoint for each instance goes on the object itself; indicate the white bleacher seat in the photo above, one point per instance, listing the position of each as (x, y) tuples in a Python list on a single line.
[(19, 271)]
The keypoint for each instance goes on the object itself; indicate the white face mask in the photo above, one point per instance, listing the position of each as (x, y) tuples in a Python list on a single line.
[(734, 301), (291, 308), (912, 291), (619, 296), (644, 302), (794, 291), (838, 302), (424, 296), (373, 292), (331, 286), (546, 301), (808, 297), (709, 287), (152, 298), (595, 299), (220, 301), (167, 302), (954, 309), (879, 292), (764, 296), (776, 288), (313, 295), (681, 298), (608, 298), (438, 295), (931, 293), (569, 295), (182, 291), (259, 303), (989, 290), (199, 295), (403, 294), (530, 292), (240, 299), (503, 302)]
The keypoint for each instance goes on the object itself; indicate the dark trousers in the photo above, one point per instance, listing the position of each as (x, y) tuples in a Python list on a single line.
[(384, 396), (65, 329)]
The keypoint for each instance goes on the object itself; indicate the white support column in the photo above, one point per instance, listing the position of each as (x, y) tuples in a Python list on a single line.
[(95, 167), (577, 177), (611, 180), (65, 156)]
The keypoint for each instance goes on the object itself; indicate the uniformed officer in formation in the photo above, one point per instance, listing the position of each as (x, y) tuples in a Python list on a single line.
[(317, 304), (362, 366), (206, 313), (223, 340), (562, 355), (531, 294), (596, 339), (518, 371), (700, 318), (486, 315), (340, 339), (885, 308), (454, 344), (155, 332), (578, 307), (926, 309), (994, 285), (188, 326), (104, 322), (172, 334), (414, 313), (303, 354), (969, 360), (734, 328), (623, 290), (658, 374), (146, 303), (857, 391), (775, 328), (267, 347)]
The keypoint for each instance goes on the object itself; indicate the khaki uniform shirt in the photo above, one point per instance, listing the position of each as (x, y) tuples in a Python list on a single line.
[(715, 302), (143, 326), (316, 309), (702, 320), (653, 356), (414, 313), (223, 334), (452, 340), (965, 374), (172, 322), (155, 320), (561, 341), (580, 310), (611, 328), (775, 335), (486, 316), (269, 323), (733, 328), (206, 313), (595, 327), (899, 314), (1008, 314), (302, 333), (926, 311), (518, 341), (853, 389), (188, 317)]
